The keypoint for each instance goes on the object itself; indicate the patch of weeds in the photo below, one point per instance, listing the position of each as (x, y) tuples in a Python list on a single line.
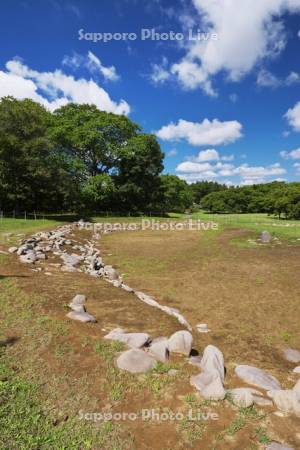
[(190, 398), (192, 430), (259, 280), (25, 424), (161, 367), (108, 350), (262, 436), (286, 336), (56, 327)]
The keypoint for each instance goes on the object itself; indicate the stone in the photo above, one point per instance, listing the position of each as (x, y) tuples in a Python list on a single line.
[(180, 342), (13, 249), (79, 299), (135, 361), (292, 355), (111, 273), (71, 260), (297, 369), (276, 446), (126, 288), (77, 308), (81, 316), (296, 388), (242, 397), (133, 340), (257, 377), (195, 360), (262, 401), (209, 384), (202, 328), (159, 349), (266, 237), (213, 361), (28, 258), (287, 400)]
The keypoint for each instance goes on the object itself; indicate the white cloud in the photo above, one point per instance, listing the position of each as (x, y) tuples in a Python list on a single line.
[(267, 79), (207, 155), (54, 89), (207, 132), (193, 170), (293, 154), (293, 117), (95, 64), (160, 73), (172, 152), (92, 63), (248, 32)]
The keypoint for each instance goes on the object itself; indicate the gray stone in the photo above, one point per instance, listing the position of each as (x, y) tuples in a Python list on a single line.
[(71, 260), (287, 400), (209, 384), (202, 328), (111, 273), (135, 361), (195, 360), (133, 340), (159, 349), (297, 369), (257, 377), (13, 249), (242, 397), (296, 388), (79, 299), (28, 258), (292, 355), (213, 361), (181, 342), (276, 446), (266, 237), (81, 316)]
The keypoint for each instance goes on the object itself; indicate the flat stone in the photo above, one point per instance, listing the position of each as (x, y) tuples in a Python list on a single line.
[(242, 397), (81, 316), (79, 299), (297, 369), (71, 260), (296, 388), (276, 446), (292, 355), (262, 401), (213, 360), (77, 308), (287, 400), (135, 361), (209, 384), (202, 328), (257, 377), (133, 340), (181, 342), (159, 349), (111, 273)]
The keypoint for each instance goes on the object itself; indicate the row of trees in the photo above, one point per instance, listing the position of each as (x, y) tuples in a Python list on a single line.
[(81, 159), (278, 198)]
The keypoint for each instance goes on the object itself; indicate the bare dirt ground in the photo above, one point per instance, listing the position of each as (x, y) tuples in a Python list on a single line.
[(249, 297)]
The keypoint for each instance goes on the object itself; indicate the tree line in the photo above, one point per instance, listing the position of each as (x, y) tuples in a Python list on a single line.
[(81, 159)]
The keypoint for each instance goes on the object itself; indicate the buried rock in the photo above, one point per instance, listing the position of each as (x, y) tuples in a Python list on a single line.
[(257, 377), (292, 355), (133, 340), (266, 237), (180, 342), (287, 401), (81, 316), (276, 446), (244, 397), (135, 361)]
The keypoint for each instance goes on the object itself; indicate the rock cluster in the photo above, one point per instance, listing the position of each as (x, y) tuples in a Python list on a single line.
[(86, 259)]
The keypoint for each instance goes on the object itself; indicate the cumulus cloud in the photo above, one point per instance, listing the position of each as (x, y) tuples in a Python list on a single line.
[(293, 154), (92, 63), (293, 117), (207, 132), (257, 27), (297, 166), (54, 89), (194, 170)]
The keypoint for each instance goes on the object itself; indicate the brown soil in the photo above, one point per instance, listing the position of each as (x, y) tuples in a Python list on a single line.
[(249, 297)]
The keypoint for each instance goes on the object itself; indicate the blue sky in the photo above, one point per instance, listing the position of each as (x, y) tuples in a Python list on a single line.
[(225, 107)]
